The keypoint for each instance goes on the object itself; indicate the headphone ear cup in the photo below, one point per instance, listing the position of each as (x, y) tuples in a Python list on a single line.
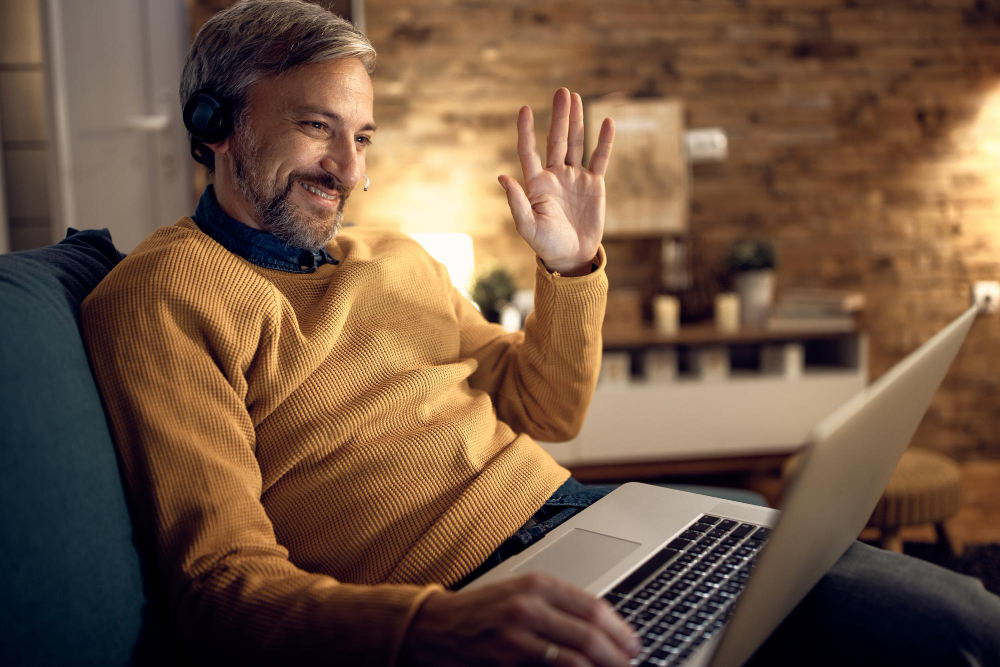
[(207, 117)]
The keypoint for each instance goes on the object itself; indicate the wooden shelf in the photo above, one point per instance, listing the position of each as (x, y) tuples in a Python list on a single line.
[(619, 338)]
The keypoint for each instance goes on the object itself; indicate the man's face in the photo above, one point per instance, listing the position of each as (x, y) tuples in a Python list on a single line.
[(300, 150)]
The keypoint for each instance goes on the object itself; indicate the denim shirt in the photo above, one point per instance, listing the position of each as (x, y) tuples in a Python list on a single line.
[(257, 247)]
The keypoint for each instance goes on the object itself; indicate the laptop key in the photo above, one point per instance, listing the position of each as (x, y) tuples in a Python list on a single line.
[(650, 637), (727, 524), (744, 529), (708, 518), (700, 527), (762, 534), (679, 543), (645, 617), (663, 652)]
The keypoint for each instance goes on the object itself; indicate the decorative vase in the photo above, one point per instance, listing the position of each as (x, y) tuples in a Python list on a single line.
[(756, 290)]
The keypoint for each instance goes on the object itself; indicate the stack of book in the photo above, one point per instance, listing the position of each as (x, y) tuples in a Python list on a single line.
[(816, 310)]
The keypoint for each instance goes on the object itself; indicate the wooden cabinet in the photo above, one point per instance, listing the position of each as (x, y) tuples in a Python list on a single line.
[(708, 395)]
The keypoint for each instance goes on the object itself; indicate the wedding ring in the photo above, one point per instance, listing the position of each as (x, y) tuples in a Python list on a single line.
[(551, 653)]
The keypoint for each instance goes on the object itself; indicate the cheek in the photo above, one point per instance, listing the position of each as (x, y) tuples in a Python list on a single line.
[(299, 154)]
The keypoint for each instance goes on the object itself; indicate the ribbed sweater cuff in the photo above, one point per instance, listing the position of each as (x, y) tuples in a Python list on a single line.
[(600, 261), (396, 650)]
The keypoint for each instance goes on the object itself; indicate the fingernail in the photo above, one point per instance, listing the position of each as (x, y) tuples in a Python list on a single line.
[(502, 185)]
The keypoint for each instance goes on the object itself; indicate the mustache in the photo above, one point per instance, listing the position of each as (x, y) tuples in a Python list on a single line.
[(325, 180)]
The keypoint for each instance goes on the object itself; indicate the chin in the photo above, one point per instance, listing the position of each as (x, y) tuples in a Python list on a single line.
[(305, 231)]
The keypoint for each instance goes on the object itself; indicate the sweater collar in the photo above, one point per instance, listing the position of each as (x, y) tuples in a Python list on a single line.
[(257, 247)]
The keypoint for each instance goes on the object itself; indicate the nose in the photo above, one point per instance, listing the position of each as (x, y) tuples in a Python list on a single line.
[(345, 163)]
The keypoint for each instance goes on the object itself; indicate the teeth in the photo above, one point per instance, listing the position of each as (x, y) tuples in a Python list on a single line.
[(316, 192)]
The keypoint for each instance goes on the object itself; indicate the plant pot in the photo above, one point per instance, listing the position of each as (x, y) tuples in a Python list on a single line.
[(756, 290)]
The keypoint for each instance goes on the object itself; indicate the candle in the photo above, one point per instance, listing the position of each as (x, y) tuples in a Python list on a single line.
[(727, 312), (666, 314)]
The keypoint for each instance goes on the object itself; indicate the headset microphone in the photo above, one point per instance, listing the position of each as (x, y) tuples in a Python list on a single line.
[(207, 116)]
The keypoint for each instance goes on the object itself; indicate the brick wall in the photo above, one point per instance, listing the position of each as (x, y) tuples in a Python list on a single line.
[(864, 140)]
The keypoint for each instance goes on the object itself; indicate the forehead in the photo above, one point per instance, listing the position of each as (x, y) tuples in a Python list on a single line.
[(341, 86)]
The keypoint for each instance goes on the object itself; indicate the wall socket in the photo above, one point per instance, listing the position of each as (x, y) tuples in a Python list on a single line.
[(707, 144), (986, 295)]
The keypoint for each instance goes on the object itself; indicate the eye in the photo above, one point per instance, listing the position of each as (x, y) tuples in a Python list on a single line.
[(315, 125), (363, 140)]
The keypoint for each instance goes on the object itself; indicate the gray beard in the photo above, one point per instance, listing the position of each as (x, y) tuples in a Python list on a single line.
[(276, 213)]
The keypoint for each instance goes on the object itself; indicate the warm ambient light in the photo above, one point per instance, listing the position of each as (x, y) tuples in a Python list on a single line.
[(985, 131), (455, 252), (984, 134)]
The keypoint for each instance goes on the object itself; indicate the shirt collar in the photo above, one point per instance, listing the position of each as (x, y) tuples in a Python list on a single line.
[(257, 247)]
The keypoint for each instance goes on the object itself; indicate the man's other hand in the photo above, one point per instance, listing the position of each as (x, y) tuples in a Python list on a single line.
[(532, 620), (560, 210)]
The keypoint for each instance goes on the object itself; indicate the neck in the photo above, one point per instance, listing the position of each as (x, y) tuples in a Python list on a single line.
[(230, 200)]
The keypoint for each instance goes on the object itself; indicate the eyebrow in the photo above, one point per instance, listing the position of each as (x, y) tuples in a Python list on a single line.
[(333, 116)]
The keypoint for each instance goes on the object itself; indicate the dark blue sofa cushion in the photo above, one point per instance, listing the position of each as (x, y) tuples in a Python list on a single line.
[(73, 593)]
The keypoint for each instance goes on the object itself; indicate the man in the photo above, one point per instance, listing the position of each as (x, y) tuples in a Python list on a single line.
[(319, 435)]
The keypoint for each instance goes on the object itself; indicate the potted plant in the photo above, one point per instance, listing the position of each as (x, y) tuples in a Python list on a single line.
[(492, 291), (751, 263)]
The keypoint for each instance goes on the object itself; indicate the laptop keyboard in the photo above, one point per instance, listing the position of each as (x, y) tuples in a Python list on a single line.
[(685, 593)]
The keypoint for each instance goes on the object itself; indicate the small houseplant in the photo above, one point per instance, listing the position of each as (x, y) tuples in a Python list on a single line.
[(751, 263), (492, 291)]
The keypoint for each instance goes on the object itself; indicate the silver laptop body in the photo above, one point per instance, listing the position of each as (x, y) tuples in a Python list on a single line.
[(642, 536)]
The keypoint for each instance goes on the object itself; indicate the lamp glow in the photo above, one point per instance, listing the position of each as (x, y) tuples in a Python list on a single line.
[(455, 251)]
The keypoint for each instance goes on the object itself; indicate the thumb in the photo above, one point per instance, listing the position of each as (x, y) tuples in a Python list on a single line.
[(520, 207)]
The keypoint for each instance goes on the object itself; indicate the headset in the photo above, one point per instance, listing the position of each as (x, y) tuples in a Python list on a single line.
[(209, 119), (207, 116)]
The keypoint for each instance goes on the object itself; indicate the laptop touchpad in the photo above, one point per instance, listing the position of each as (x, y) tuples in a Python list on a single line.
[(579, 557)]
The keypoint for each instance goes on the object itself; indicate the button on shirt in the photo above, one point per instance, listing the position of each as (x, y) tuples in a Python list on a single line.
[(261, 248)]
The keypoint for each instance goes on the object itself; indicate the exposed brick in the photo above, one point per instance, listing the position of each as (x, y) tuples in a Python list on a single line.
[(857, 134)]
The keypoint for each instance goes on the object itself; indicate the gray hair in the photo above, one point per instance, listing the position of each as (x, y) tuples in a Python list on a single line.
[(254, 39)]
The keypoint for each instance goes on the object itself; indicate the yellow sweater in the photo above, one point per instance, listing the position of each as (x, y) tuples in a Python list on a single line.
[(310, 455)]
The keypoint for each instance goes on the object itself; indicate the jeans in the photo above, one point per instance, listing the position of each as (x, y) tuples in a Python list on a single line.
[(873, 607)]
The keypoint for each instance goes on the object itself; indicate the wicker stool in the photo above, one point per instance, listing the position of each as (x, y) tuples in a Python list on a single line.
[(925, 488)]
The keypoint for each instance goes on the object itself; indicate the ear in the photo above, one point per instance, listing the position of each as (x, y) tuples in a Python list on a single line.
[(221, 147)]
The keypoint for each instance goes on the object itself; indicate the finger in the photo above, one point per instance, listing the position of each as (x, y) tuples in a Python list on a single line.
[(602, 152), (534, 650), (555, 144), (527, 150), (520, 207), (585, 606), (569, 631), (574, 146)]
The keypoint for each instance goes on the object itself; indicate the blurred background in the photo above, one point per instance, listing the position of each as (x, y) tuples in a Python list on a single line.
[(802, 192)]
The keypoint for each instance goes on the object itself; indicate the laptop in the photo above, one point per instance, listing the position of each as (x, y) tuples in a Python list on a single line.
[(705, 581)]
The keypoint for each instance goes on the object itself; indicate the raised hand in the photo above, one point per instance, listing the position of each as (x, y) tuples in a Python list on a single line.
[(560, 211), (532, 620)]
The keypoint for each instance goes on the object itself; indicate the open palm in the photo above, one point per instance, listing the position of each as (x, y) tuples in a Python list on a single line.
[(560, 211)]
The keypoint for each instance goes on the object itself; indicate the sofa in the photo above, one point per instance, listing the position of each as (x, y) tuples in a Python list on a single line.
[(74, 593), (78, 588)]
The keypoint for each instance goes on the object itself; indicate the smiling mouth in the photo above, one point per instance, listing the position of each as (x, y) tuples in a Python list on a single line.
[(319, 193)]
